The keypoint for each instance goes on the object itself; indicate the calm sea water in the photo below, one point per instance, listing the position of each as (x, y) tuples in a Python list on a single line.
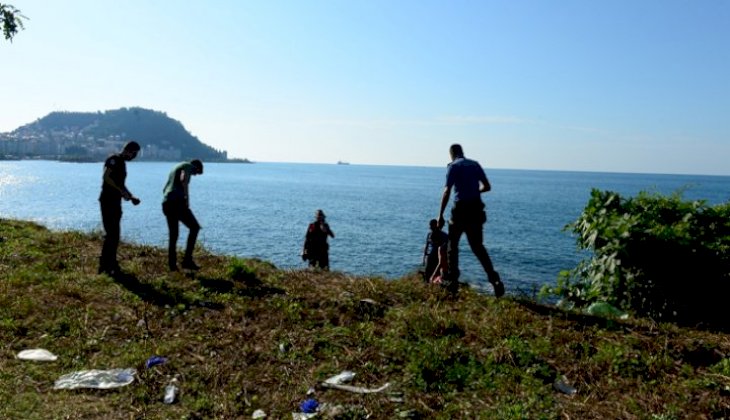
[(379, 214)]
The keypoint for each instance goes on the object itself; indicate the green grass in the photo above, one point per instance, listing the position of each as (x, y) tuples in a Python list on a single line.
[(242, 335)]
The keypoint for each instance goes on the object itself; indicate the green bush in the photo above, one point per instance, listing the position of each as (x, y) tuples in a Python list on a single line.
[(654, 255)]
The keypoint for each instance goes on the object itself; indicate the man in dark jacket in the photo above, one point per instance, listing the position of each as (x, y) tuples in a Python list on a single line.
[(468, 180), (113, 190), (316, 248)]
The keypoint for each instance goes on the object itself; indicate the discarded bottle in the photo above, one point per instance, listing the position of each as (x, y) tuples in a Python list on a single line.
[(170, 392)]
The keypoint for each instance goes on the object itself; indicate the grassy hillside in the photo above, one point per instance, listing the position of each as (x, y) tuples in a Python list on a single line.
[(242, 335)]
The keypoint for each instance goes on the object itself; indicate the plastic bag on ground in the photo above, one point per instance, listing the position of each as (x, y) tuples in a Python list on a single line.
[(606, 310), (40, 355), (99, 379), (338, 382), (341, 378), (561, 385)]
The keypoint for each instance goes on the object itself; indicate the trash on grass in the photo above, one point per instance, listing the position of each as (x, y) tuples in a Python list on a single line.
[(99, 379), (562, 386), (170, 393), (303, 416), (155, 360), (337, 382), (309, 406), (606, 310), (259, 414), (342, 377), (39, 355)]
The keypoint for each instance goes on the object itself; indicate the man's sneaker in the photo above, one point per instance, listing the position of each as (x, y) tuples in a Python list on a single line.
[(496, 284), (189, 265)]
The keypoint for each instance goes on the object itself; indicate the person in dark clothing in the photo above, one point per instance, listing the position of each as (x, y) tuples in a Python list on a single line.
[(435, 241), (468, 180), (113, 190), (316, 248), (176, 207)]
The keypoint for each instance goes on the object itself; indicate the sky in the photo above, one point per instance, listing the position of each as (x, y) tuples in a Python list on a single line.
[(609, 86)]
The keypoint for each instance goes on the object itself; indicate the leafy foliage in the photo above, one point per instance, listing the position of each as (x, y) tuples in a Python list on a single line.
[(11, 21), (656, 255)]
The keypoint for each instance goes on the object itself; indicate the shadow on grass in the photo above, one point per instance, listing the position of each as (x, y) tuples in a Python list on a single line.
[(145, 292), (251, 288), (150, 294)]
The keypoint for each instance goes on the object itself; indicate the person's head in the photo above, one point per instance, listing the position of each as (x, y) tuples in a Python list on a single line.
[(197, 166), (319, 215), (433, 224), (130, 150), (456, 151)]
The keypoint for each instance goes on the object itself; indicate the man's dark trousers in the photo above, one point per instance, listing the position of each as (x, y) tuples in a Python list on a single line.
[(111, 218), (467, 217)]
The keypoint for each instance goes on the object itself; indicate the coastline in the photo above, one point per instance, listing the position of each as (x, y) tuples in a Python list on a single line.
[(242, 335)]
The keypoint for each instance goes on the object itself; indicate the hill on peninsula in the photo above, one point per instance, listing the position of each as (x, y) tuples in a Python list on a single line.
[(93, 135)]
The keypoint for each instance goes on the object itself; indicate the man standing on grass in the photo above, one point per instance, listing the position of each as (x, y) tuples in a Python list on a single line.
[(176, 207), (468, 180), (113, 191)]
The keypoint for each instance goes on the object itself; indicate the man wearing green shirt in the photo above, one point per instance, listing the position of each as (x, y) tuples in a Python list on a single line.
[(176, 207)]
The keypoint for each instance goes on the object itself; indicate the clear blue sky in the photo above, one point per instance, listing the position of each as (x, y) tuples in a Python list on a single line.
[(619, 85)]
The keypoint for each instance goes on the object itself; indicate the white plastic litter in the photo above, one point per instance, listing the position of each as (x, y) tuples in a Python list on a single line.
[(259, 414), (40, 355), (562, 386), (303, 416), (170, 393), (341, 378), (99, 379), (337, 382)]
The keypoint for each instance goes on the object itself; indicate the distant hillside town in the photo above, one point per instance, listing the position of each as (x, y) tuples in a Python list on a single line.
[(78, 136)]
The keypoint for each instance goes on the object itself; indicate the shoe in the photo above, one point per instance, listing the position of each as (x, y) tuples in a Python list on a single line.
[(496, 284), (190, 265)]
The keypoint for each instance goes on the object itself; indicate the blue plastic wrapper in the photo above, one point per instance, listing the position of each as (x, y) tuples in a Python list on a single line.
[(155, 360), (309, 406)]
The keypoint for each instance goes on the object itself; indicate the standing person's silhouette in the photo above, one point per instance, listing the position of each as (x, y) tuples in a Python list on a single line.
[(113, 190), (316, 248), (468, 180), (176, 207)]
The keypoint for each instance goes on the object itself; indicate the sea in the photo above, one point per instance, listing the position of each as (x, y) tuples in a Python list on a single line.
[(379, 214)]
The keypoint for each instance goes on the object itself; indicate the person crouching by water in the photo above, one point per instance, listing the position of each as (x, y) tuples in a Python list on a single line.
[(436, 242), (316, 248), (176, 207)]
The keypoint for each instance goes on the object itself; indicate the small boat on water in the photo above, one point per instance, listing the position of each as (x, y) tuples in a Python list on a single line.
[(340, 162)]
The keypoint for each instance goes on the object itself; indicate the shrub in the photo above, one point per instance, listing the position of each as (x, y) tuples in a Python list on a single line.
[(654, 255)]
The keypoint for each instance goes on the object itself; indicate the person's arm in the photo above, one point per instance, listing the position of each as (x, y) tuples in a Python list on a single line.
[(444, 202), (108, 180), (425, 248), (485, 186), (328, 231), (184, 181)]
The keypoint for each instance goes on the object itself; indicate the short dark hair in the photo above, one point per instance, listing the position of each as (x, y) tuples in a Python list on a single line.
[(132, 146), (198, 165), (456, 150)]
